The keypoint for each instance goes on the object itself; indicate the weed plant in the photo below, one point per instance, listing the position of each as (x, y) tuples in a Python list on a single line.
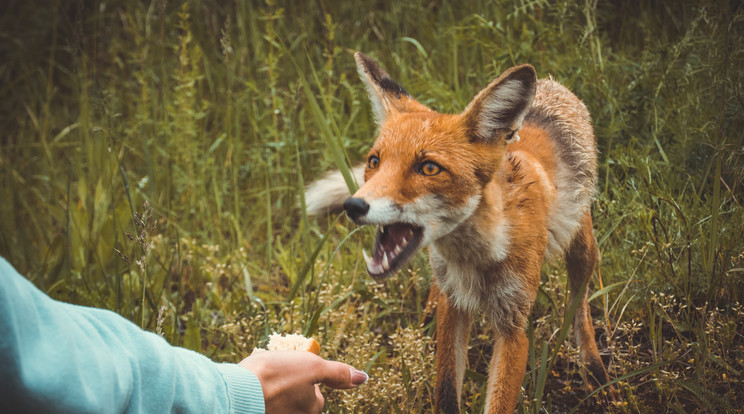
[(154, 156)]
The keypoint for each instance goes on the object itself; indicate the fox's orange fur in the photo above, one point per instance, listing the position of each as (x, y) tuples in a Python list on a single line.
[(493, 192)]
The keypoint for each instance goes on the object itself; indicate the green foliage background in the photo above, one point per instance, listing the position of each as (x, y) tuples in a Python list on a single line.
[(154, 156)]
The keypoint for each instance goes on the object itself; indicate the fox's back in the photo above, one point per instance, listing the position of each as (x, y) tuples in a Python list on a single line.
[(558, 132)]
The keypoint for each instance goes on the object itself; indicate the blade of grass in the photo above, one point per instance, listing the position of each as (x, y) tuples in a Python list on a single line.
[(635, 373), (324, 123), (562, 334)]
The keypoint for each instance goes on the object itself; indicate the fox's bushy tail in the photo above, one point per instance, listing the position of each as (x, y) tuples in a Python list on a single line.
[(327, 194)]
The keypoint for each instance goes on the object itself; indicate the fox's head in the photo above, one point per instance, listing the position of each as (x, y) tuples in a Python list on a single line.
[(426, 172)]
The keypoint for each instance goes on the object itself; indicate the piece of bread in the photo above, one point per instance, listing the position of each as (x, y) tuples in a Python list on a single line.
[(290, 342)]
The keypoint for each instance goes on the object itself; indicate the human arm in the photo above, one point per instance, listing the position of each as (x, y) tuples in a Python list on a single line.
[(58, 357)]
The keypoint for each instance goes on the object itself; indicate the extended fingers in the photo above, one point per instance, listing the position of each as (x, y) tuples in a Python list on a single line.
[(339, 375), (290, 379)]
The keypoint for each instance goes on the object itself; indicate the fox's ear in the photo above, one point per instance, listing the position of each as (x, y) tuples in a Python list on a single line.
[(387, 96), (498, 110)]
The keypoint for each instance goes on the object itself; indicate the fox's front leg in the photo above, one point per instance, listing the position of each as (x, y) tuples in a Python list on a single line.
[(453, 332), (506, 371)]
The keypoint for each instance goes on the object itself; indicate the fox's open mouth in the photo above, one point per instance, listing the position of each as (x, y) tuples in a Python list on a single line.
[(394, 245)]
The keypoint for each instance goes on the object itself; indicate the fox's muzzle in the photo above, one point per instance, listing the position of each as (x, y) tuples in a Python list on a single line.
[(356, 208)]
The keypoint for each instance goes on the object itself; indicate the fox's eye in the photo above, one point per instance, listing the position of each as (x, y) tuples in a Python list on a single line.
[(430, 168), (373, 162)]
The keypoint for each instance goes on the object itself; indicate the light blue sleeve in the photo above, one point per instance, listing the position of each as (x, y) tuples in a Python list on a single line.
[(61, 358)]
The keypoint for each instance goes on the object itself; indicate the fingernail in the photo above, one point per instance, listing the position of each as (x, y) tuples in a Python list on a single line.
[(358, 377)]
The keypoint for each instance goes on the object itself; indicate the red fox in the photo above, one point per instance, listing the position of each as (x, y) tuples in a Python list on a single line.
[(493, 192)]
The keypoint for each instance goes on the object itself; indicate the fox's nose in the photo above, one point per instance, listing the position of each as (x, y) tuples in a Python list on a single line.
[(356, 208)]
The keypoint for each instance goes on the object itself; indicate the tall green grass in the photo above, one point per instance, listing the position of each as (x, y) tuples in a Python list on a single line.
[(154, 157)]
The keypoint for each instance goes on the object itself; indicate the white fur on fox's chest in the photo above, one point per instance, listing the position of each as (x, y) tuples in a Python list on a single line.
[(469, 269)]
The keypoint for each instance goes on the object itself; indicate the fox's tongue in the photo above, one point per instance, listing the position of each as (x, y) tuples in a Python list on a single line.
[(394, 245)]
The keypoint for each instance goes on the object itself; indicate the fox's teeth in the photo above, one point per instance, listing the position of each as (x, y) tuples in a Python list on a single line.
[(385, 263), (404, 241), (370, 262), (382, 229), (372, 267), (397, 250)]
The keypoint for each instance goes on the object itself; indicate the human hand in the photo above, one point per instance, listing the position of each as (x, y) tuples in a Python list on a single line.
[(290, 379)]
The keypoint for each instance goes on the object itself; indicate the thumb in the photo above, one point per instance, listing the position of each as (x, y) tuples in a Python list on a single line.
[(336, 374)]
